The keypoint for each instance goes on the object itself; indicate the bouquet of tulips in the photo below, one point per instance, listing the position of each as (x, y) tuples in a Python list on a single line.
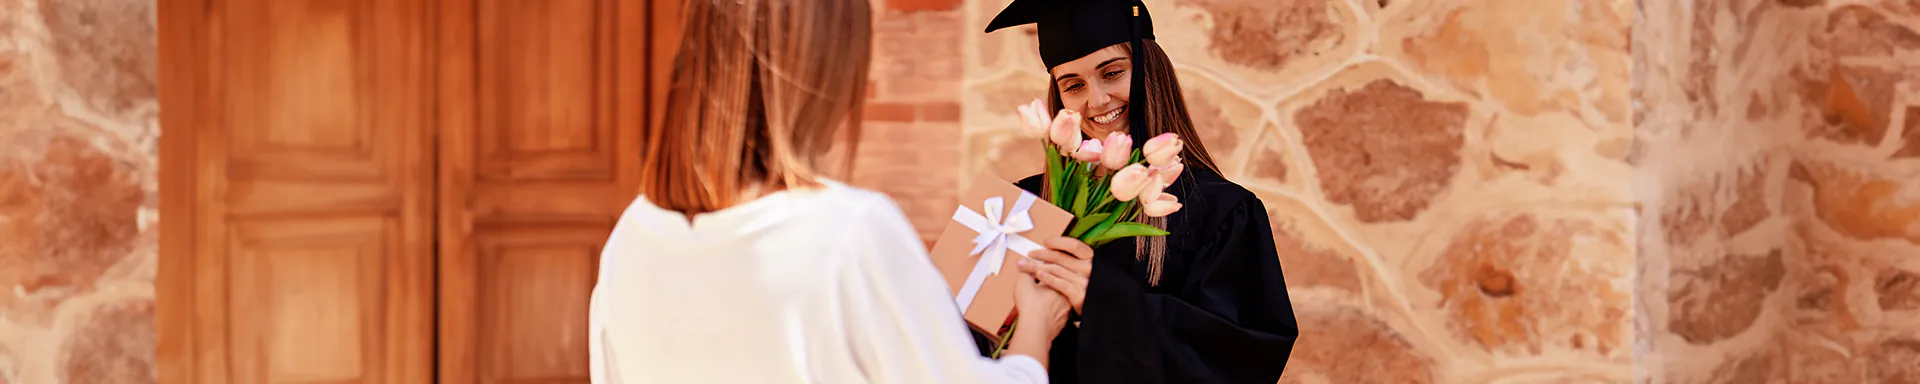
[(1106, 184)]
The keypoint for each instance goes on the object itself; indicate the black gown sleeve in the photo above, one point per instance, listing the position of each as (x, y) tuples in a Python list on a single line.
[(1228, 321)]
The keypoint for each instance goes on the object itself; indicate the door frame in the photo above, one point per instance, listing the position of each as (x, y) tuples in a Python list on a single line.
[(182, 40)]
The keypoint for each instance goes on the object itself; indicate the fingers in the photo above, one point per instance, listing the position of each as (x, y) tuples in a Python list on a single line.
[(1071, 246), (1045, 257), (1049, 256), (1062, 273), (1075, 294)]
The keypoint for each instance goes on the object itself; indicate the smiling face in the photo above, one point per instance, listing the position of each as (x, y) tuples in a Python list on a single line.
[(1098, 86)]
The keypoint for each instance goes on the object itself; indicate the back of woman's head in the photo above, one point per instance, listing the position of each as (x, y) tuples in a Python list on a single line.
[(761, 90)]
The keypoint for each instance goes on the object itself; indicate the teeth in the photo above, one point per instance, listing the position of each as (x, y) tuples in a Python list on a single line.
[(1109, 117)]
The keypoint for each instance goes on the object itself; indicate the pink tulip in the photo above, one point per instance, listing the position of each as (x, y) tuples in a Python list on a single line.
[(1167, 173), (1129, 181), (1154, 187), (1033, 119), (1066, 131), (1119, 151), (1089, 151), (1162, 149), (1165, 205)]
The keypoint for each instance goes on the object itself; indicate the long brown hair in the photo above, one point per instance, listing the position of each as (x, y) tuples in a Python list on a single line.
[(762, 89), (1165, 110)]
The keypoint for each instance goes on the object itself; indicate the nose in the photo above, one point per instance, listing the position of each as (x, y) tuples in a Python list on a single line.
[(1100, 96)]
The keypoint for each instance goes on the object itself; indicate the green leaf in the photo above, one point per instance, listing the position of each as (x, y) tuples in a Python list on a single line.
[(1124, 230), (1080, 194), (1106, 200), (1098, 229), (1095, 232), (1053, 171), (1123, 210), (1069, 169), (1081, 226)]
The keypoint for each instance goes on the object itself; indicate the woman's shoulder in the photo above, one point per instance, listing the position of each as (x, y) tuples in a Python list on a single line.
[(1211, 188), (1213, 201), (851, 202)]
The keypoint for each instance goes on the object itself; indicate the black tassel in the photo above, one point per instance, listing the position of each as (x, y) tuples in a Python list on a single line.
[(1136, 116)]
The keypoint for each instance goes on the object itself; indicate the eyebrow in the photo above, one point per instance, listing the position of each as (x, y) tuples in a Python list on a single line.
[(1102, 64)]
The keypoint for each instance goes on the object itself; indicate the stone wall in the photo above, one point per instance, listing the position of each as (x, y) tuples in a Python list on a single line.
[(1463, 192), (1448, 180), (78, 130), (1782, 243)]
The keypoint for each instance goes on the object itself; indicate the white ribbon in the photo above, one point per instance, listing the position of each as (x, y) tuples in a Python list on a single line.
[(996, 237)]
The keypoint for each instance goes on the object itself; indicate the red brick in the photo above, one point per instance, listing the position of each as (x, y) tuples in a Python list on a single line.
[(889, 112), (940, 111), (923, 5)]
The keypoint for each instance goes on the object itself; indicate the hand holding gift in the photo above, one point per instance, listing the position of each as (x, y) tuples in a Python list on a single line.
[(996, 226), (1064, 266)]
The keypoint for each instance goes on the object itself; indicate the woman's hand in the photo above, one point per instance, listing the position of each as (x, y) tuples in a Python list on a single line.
[(1065, 266), (1045, 307), (1042, 314)]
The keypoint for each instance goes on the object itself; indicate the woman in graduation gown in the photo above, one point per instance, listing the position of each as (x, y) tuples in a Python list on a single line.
[(1205, 304)]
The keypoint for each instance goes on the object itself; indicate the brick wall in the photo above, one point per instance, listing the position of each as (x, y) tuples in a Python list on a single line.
[(910, 145)]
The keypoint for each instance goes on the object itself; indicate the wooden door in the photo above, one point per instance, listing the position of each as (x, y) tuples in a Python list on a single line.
[(298, 190), (541, 107)]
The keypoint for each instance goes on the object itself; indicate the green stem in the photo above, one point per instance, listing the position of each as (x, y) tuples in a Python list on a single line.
[(1006, 338)]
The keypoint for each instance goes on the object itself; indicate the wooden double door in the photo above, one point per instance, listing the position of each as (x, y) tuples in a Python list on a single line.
[(395, 191)]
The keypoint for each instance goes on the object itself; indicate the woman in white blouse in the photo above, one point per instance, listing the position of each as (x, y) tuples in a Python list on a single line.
[(739, 264)]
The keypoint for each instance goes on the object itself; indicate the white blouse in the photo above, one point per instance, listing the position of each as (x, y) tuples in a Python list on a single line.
[(823, 285)]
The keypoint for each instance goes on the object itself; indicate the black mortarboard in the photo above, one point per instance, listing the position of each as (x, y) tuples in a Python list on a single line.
[(1071, 29)]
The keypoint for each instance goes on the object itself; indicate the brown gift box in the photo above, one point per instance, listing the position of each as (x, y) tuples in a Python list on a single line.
[(993, 302)]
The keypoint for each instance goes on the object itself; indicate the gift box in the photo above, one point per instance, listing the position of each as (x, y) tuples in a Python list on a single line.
[(996, 225)]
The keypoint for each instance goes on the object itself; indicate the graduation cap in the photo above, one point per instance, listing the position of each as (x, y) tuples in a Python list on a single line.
[(1071, 29)]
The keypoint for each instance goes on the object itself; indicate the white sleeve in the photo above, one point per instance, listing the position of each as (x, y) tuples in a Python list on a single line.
[(902, 320), (600, 354), (596, 341)]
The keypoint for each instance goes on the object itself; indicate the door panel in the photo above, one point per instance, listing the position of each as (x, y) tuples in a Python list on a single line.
[(311, 241), (535, 321), (305, 282), (544, 71), (541, 107)]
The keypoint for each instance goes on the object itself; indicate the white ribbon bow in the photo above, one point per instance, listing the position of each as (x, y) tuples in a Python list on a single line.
[(995, 239)]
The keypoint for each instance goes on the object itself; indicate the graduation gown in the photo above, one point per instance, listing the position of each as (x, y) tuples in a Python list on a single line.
[(1219, 315)]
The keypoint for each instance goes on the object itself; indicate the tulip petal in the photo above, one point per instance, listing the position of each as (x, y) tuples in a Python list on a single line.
[(1065, 131), (1089, 151), (1154, 188), (1128, 182), (1170, 172), (1033, 121), (1119, 150), (1161, 149), (1167, 204)]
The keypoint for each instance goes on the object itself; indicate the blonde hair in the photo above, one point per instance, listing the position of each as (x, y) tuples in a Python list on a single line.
[(762, 90)]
